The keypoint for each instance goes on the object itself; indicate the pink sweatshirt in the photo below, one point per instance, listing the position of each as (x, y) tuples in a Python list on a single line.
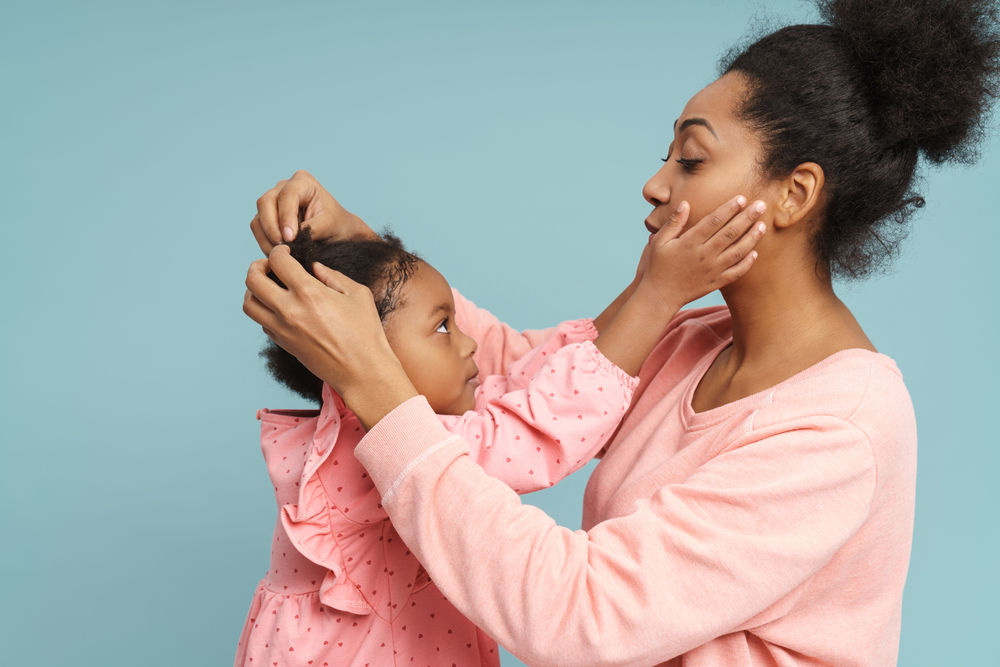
[(774, 530), (343, 588)]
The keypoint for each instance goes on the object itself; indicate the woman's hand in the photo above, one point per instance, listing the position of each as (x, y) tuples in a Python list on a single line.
[(331, 325), (711, 254), (302, 202)]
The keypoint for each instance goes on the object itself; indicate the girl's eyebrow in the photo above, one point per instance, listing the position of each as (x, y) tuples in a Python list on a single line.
[(446, 307), (696, 121)]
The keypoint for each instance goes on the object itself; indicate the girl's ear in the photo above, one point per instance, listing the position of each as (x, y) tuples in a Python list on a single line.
[(799, 195)]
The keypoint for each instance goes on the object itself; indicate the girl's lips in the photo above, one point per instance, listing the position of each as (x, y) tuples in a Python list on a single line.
[(474, 381), (651, 228)]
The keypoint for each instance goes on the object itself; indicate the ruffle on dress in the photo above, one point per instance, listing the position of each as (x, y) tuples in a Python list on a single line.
[(339, 523)]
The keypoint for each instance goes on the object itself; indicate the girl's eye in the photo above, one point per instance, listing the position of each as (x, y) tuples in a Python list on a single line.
[(443, 327)]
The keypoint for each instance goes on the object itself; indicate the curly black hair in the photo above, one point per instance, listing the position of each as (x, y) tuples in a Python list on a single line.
[(865, 95), (382, 264)]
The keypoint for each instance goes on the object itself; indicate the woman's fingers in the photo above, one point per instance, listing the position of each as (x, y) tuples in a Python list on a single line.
[(259, 313), (267, 214), (297, 193), (261, 287), (708, 226), (260, 237), (335, 280), (288, 270)]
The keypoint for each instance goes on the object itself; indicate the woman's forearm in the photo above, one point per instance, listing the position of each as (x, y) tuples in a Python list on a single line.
[(637, 589)]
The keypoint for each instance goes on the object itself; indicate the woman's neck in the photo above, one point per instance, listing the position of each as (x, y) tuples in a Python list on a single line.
[(784, 321)]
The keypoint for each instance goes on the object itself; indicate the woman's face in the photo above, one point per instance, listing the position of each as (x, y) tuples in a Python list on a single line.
[(712, 158)]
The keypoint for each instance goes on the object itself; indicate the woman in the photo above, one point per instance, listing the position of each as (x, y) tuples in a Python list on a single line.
[(756, 505)]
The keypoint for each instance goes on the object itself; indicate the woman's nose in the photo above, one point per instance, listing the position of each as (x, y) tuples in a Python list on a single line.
[(657, 189)]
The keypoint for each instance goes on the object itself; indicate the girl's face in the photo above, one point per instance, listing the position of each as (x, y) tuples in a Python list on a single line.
[(712, 158), (434, 353)]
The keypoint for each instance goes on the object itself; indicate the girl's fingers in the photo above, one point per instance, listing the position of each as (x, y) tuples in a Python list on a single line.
[(744, 246), (675, 223), (707, 227), (735, 229), (739, 270)]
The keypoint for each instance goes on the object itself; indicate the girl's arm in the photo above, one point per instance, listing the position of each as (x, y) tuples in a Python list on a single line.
[(499, 345), (531, 432)]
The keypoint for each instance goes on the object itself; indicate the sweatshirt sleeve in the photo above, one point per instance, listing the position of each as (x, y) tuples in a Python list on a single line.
[(695, 560), (501, 345), (532, 433)]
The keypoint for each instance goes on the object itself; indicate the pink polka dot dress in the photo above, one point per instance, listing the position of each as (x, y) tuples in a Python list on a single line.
[(342, 588)]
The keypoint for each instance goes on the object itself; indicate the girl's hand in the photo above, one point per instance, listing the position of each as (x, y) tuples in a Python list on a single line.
[(640, 270), (302, 202), (333, 328), (713, 253)]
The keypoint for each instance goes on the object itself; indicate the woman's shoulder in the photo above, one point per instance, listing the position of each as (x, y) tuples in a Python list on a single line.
[(716, 319), (703, 326), (862, 388)]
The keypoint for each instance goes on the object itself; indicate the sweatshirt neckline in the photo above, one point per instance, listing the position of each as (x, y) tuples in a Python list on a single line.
[(696, 420)]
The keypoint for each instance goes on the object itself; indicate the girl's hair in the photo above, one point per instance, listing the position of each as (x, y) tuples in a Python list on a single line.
[(880, 84), (383, 265)]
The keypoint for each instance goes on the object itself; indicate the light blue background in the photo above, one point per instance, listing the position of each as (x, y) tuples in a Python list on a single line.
[(135, 139)]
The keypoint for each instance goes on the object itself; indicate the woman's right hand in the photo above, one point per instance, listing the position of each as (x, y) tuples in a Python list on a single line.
[(330, 323), (302, 202)]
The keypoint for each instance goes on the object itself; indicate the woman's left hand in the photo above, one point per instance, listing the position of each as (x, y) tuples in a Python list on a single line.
[(331, 325)]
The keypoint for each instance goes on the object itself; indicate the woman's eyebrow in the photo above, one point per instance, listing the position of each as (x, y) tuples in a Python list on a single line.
[(696, 121)]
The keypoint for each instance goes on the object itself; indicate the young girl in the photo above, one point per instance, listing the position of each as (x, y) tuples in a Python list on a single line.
[(343, 589)]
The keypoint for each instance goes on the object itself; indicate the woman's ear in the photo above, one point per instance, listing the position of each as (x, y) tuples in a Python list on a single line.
[(799, 195)]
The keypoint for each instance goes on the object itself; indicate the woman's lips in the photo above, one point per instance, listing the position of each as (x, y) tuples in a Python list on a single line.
[(651, 228), (473, 381)]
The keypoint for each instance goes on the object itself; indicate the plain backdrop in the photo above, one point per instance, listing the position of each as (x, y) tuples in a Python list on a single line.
[(506, 142)]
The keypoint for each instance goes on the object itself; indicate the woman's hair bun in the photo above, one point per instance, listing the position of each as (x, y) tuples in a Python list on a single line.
[(931, 66)]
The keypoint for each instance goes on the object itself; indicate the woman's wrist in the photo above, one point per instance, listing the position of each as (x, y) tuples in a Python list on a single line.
[(382, 389)]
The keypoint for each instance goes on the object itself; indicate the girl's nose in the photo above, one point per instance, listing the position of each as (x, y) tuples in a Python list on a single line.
[(657, 189), (469, 345)]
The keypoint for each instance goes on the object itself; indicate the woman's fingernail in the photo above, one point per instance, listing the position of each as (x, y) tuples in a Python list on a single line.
[(754, 253), (762, 228), (759, 207), (741, 200), (288, 233)]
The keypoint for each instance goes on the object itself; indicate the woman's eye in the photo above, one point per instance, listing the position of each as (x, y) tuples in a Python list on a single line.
[(689, 165), (442, 328)]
